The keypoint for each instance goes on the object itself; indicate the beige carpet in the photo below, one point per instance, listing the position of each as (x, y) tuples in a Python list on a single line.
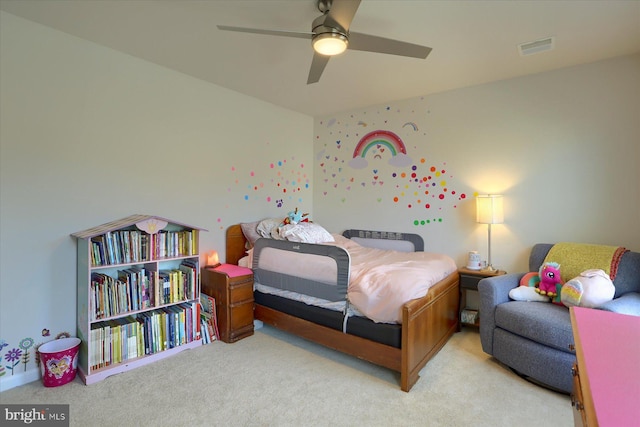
[(275, 379)]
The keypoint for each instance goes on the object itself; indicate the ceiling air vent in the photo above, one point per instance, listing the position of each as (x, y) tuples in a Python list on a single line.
[(537, 46)]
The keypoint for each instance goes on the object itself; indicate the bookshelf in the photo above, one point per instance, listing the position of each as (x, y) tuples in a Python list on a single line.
[(138, 293)]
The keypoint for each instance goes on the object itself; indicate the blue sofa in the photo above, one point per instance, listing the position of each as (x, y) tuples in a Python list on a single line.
[(534, 339)]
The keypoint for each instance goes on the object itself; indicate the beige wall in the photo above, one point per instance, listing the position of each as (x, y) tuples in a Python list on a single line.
[(563, 147), (90, 135)]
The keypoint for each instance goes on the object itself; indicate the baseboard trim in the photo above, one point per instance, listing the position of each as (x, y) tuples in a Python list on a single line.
[(7, 382)]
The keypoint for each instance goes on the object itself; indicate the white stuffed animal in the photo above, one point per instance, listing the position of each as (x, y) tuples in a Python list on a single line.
[(527, 293), (590, 289)]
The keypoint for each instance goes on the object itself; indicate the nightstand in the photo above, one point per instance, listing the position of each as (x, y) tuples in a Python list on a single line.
[(469, 280), (232, 288)]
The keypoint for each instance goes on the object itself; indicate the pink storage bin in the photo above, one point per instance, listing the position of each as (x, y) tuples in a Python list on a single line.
[(59, 361)]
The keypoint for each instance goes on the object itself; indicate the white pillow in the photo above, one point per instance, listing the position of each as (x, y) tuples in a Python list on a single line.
[(265, 226), (305, 232), (275, 233), (249, 229)]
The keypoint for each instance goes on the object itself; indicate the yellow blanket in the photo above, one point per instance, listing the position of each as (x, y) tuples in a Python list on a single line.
[(574, 258)]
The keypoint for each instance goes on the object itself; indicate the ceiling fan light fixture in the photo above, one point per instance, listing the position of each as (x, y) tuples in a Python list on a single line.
[(330, 44)]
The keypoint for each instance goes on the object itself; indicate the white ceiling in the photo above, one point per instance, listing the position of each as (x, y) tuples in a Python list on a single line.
[(473, 42)]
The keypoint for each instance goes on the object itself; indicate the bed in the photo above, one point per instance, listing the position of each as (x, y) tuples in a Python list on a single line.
[(425, 323)]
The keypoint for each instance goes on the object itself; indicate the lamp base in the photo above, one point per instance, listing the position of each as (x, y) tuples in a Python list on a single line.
[(489, 269)]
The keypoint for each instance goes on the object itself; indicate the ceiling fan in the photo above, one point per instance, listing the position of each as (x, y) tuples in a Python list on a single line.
[(330, 36)]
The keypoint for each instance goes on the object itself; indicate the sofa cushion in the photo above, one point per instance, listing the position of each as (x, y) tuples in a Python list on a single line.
[(628, 277), (548, 324), (628, 303)]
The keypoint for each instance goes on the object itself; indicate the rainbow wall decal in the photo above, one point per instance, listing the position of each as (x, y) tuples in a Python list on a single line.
[(376, 139), (380, 137)]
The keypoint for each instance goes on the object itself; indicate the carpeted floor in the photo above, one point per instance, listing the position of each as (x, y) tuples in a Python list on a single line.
[(275, 379)]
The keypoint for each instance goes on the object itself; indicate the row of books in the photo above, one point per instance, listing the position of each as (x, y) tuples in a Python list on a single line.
[(126, 338), (137, 288), (132, 246), (208, 317)]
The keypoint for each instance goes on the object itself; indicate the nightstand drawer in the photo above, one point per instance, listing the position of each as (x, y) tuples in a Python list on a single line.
[(469, 282), (241, 315), (241, 292)]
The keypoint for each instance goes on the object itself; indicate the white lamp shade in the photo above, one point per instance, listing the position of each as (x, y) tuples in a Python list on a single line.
[(489, 209)]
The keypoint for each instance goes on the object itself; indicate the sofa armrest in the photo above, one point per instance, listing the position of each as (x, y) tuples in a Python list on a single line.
[(493, 291), (628, 303)]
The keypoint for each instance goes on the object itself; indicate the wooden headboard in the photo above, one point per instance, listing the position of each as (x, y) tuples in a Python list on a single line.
[(235, 247)]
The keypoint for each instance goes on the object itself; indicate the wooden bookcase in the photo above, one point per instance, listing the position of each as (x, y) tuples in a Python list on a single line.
[(138, 294)]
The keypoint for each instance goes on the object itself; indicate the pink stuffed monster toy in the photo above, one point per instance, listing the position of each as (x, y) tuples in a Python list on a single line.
[(550, 279)]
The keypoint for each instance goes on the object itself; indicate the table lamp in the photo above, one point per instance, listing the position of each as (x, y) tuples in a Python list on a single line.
[(489, 211)]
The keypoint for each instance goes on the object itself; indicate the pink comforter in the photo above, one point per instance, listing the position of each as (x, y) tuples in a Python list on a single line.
[(382, 281)]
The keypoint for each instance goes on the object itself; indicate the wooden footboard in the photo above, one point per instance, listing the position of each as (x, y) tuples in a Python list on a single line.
[(428, 323)]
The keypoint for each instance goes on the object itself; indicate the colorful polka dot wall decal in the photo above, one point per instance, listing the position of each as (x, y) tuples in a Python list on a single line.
[(427, 221), (420, 182), (372, 137), (279, 178)]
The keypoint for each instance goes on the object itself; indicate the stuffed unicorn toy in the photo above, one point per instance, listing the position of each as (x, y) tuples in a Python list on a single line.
[(550, 281), (591, 289), (294, 217)]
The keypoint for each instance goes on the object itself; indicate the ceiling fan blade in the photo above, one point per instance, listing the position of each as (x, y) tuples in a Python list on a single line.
[(297, 34), (342, 12), (368, 43), (317, 67)]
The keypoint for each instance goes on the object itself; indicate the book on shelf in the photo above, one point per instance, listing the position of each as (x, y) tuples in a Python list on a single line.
[(197, 330), (206, 338), (207, 326), (190, 269), (208, 304), (214, 320)]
